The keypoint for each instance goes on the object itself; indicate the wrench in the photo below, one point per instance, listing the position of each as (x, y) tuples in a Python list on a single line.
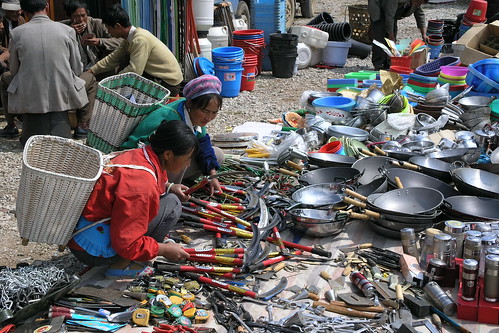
[(258, 301), (269, 310)]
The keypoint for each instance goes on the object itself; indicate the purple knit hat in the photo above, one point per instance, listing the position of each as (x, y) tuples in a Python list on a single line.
[(202, 85)]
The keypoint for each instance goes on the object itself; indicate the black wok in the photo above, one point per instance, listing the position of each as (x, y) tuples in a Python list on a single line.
[(432, 167), (369, 167), (396, 225), (384, 231), (476, 182), (411, 178), (490, 167), (378, 185), (378, 213), (408, 200), (472, 207), (328, 160), (344, 175), (402, 155)]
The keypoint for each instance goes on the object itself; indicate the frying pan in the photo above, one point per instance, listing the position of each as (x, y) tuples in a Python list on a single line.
[(378, 185), (401, 154), (476, 182), (318, 195), (369, 166), (329, 160), (430, 166), (330, 175), (396, 225), (320, 223), (377, 213), (408, 200), (416, 179), (469, 155), (490, 167), (473, 207), (384, 231)]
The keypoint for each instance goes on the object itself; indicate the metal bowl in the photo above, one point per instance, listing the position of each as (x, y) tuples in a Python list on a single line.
[(316, 222), (351, 132), (475, 101)]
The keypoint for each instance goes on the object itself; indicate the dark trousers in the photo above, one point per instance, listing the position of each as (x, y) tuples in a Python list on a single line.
[(174, 90), (169, 212), (377, 31), (52, 123)]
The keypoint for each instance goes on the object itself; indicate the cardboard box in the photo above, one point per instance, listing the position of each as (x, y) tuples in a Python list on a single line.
[(473, 38)]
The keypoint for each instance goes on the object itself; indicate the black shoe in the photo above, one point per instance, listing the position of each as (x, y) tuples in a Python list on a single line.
[(9, 132), (80, 133)]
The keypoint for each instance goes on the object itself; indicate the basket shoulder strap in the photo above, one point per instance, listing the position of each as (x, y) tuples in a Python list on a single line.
[(132, 166), (90, 226)]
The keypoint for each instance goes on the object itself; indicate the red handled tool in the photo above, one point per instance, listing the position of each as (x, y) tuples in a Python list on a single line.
[(310, 249), (221, 212), (238, 250), (220, 284)]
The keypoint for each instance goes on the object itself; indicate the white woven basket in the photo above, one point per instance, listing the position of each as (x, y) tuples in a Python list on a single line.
[(115, 116), (57, 178)]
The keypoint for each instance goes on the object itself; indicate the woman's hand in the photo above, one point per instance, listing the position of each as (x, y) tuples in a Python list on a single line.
[(214, 186), (178, 190), (172, 252)]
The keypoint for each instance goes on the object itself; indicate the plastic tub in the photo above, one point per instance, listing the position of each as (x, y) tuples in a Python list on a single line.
[(335, 53), (361, 75), (453, 72), (403, 61), (338, 102), (433, 67), (480, 82), (342, 82), (489, 67)]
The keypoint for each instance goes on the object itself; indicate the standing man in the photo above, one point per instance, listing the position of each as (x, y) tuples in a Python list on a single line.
[(384, 16), (147, 55), (11, 20), (45, 64)]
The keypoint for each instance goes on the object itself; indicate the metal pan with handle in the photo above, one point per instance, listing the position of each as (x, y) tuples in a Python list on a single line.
[(472, 208), (431, 166), (321, 223), (369, 167), (476, 182), (328, 195), (345, 175), (416, 179), (378, 213)]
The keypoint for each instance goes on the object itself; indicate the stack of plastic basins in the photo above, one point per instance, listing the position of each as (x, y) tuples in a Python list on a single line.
[(282, 53), (228, 63), (476, 13), (252, 42), (269, 16)]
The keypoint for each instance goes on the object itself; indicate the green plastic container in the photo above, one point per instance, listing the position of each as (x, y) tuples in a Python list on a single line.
[(494, 113), (361, 75)]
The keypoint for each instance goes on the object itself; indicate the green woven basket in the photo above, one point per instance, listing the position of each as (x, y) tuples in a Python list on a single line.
[(121, 102)]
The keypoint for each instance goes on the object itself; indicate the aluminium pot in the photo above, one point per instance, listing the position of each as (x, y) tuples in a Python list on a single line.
[(317, 222)]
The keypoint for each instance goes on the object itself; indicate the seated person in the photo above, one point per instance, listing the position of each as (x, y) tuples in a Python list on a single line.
[(200, 106), (135, 205), (147, 55)]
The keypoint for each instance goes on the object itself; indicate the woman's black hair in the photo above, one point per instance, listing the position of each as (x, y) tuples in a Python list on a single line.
[(176, 136), (202, 101), (2, 14), (70, 6), (116, 14)]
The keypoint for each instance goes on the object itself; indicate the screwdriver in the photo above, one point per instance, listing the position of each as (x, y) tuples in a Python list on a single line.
[(437, 321)]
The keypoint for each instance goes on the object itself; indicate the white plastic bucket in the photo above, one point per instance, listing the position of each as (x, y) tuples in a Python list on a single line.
[(218, 36), (304, 55), (205, 48), (203, 14), (311, 36), (335, 53)]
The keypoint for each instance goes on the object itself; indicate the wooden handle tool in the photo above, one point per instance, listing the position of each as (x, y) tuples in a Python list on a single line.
[(345, 311)]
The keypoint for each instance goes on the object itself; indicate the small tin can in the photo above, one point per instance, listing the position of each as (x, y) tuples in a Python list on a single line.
[(435, 271), (469, 279), (443, 249), (438, 295), (493, 250), (473, 233), (362, 283), (408, 237), (472, 248), (491, 278), (456, 230), (427, 246)]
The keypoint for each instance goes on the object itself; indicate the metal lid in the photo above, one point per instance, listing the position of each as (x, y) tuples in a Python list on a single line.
[(475, 241), (489, 239), (493, 250), (492, 260), (435, 262), (473, 233), (454, 227), (432, 232), (407, 232), (443, 237), (470, 264), (483, 227)]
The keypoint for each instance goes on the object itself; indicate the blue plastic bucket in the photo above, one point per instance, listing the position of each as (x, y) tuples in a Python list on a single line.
[(231, 81), (435, 50), (336, 53), (228, 57)]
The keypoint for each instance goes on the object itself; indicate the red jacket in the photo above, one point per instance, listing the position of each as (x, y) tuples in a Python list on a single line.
[(131, 198)]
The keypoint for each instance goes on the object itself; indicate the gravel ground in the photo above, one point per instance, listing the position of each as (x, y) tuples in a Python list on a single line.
[(268, 100)]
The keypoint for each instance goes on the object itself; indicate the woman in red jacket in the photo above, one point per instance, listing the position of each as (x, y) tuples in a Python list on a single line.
[(133, 206)]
